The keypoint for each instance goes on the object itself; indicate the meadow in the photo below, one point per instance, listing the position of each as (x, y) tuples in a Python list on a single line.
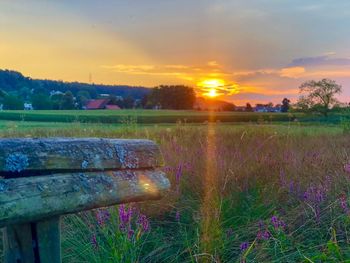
[(253, 192), (159, 116)]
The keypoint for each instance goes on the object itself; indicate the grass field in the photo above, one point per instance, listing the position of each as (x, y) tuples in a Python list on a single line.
[(243, 192), (160, 116)]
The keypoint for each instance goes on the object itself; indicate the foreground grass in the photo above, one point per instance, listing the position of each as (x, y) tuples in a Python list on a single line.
[(254, 193)]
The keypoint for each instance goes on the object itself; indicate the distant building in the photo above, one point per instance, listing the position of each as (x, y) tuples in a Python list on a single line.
[(55, 92), (28, 106), (267, 109), (240, 108), (100, 104), (112, 107)]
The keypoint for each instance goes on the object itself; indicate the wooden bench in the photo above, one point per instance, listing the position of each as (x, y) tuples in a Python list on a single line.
[(42, 179)]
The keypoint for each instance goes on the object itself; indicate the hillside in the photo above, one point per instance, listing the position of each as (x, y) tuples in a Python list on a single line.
[(13, 81)]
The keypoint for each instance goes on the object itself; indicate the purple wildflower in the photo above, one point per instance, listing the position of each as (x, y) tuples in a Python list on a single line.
[(177, 216), (124, 216), (266, 235), (143, 222), (277, 223), (94, 241), (130, 233), (343, 203), (244, 246), (261, 224), (178, 176), (347, 168), (274, 221), (102, 216)]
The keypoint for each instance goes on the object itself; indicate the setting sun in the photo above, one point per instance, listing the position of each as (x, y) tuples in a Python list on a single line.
[(212, 93), (211, 87)]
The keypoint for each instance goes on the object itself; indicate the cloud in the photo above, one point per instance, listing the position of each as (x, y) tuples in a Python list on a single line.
[(129, 68), (292, 72), (213, 63), (319, 61)]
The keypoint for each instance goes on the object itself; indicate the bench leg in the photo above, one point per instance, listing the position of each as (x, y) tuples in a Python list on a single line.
[(18, 244), (49, 240), (38, 242)]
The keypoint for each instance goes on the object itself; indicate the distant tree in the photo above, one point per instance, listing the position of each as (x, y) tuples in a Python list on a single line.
[(128, 102), (285, 105), (56, 101), (248, 107), (11, 102), (82, 98), (171, 97), (229, 107), (319, 96), (67, 102), (25, 93), (2, 93), (114, 101), (41, 102)]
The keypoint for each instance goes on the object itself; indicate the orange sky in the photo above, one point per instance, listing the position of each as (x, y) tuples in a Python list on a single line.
[(257, 51)]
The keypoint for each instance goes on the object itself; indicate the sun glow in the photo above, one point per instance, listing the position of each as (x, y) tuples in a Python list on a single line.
[(211, 87), (212, 93)]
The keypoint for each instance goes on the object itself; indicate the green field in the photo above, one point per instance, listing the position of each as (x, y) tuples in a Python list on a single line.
[(260, 191), (157, 116)]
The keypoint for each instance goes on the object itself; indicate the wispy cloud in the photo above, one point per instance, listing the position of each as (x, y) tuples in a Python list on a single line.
[(292, 72), (325, 60)]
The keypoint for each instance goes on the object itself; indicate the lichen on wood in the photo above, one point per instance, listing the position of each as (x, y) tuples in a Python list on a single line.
[(16, 162), (29, 199), (71, 154)]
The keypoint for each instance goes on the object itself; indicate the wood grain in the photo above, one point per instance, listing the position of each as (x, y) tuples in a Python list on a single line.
[(30, 199)]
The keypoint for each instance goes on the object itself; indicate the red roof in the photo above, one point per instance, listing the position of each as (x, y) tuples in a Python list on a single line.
[(112, 107), (97, 104)]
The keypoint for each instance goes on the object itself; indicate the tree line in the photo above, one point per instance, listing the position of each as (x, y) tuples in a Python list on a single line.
[(15, 89)]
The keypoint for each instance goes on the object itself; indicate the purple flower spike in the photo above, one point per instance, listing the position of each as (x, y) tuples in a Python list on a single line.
[(102, 216), (131, 233), (347, 168), (177, 216), (143, 222), (124, 216), (244, 246), (266, 235), (344, 204), (94, 241)]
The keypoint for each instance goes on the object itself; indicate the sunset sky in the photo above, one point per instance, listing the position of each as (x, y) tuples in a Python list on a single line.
[(258, 51)]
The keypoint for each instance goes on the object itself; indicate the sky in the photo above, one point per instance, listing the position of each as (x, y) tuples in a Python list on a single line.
[(256, 50)]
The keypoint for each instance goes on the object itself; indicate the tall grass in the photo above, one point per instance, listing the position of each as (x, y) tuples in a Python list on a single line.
[(245, 193)]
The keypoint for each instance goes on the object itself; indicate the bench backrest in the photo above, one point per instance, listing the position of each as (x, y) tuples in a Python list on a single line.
[(47, 177)]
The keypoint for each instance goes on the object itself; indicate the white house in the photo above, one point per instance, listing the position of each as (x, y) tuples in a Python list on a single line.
[(28, 106)]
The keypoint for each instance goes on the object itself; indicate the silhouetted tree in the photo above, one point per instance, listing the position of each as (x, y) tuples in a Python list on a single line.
[(56, 101), (128, 102), (248, 107), (82, 98), (67, 102), (285, 105), (171, 97), (319, 96), (11, 102), (41, 102)]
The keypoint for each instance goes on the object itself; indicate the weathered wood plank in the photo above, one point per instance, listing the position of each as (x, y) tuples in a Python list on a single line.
[(71, 154), (49, 240), (29, 199), (18, 245)]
